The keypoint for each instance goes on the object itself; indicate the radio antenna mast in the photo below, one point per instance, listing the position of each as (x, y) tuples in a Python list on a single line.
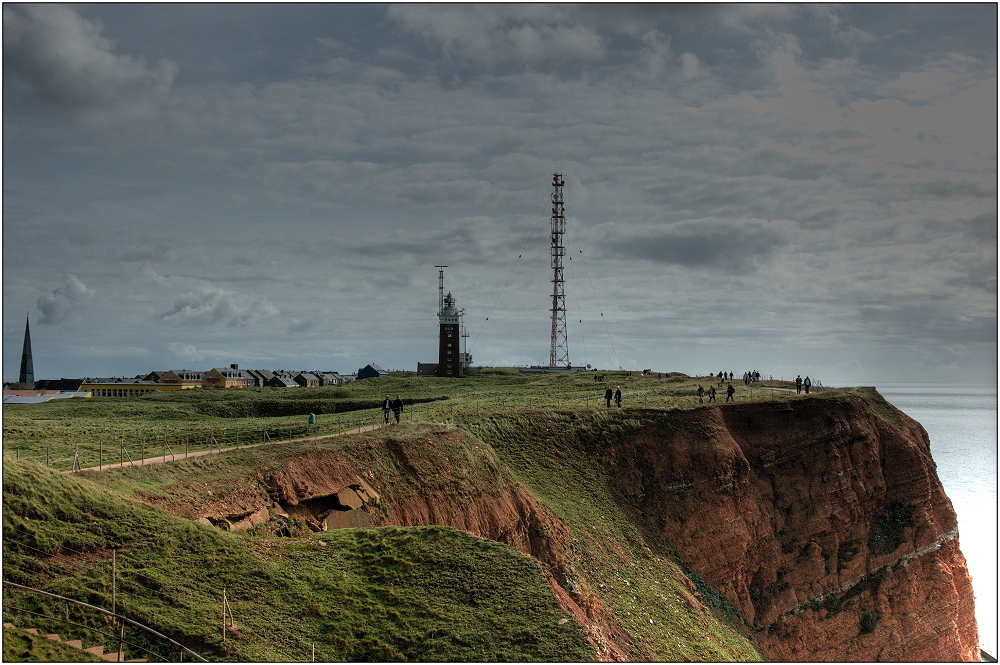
[(559, 349)]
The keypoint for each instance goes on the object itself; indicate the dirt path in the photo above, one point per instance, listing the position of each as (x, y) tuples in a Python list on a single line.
[(200, 453)]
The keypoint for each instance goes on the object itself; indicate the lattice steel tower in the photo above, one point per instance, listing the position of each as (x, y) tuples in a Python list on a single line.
[(559, 351)]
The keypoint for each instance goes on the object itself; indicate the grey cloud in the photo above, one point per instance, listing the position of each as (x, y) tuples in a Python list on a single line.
[(735, 248), (782, 165), (63, 60), (64, 301), (925, 322), (822, 219), (949, 189), (982, 228), (125, 192)]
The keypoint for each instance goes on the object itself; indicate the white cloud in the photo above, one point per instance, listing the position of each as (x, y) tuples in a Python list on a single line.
[(64, 301), (499, 33), (213, 306), (185, 352)]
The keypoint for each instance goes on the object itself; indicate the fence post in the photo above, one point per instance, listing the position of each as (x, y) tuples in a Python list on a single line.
[(121, 640), (100, 460)]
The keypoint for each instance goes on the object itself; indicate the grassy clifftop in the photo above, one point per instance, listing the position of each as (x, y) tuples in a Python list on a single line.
[(388, 593)]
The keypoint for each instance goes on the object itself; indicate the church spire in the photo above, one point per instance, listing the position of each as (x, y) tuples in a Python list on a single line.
[(27, 376)]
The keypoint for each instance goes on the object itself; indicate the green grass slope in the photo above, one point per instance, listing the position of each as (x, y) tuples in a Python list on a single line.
[(20, 646), (427, 593), (376, 594), (558, 455)]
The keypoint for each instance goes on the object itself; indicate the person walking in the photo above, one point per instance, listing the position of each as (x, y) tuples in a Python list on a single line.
[(701, 394), (608, 394), (798, 385), (807, 383), (618, 397), (730, 391), (397, 408), (386, 409), (711, 393)]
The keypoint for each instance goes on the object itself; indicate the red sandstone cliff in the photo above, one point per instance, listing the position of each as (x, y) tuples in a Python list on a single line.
[(823, 520)]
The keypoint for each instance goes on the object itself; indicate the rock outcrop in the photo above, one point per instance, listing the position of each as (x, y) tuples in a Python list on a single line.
[(823, 520)]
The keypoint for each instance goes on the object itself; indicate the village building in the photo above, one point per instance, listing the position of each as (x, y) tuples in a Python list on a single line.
[(183, 377), (371, 371), (228, 377)]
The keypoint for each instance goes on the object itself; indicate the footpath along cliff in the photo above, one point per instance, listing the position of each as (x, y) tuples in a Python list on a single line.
[(821, 519)]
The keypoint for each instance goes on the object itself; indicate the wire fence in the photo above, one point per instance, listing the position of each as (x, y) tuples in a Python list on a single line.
[(123, 585), (43, 616)]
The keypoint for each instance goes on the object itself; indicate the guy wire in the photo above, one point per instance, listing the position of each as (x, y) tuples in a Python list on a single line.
[(530, 236), (591, 279)]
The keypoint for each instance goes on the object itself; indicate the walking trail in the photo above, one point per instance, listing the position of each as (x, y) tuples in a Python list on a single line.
[(199, 453)]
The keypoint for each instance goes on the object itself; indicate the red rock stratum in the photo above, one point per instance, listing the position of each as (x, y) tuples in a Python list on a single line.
[(821, 519)]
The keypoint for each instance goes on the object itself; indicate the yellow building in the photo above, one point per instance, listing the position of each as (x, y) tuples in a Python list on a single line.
[(182, 377), (114, 387), (227, 377)]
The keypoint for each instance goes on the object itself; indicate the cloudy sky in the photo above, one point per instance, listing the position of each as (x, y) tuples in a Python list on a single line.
[(790, 188)]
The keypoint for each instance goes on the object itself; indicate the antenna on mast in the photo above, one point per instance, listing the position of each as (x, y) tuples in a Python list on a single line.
[(559, 349), (440, 288)]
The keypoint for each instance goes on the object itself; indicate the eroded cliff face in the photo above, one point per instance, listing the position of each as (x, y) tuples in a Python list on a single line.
[(823, 520)]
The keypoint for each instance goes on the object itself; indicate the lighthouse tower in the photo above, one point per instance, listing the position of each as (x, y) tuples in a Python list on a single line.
[(452, 358)]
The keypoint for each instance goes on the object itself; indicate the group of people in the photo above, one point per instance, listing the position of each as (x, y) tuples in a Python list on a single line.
[(616, 395), (801, 383), (730, 392), (393, 406)]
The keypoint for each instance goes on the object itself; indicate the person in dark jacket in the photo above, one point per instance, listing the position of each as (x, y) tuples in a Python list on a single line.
[(608, 395), (397, 407), (386, 408), (730, 391), (701, 395), (618, 397)]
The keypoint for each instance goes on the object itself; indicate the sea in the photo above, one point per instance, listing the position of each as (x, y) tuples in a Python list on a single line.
[(961, 422)]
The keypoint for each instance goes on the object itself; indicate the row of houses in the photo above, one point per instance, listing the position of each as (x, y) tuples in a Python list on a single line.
[(185, 379)]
